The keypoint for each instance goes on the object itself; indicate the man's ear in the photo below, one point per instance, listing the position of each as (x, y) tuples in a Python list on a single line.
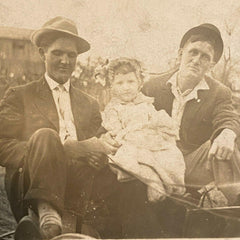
[(42, 54), (211, 66), (179, 57), (180, 51)]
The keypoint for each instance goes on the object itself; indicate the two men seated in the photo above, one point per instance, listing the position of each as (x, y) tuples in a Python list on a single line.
[(55, 162)]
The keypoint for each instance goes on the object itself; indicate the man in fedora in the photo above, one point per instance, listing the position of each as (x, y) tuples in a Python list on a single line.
[(202, 108), (43, 127)]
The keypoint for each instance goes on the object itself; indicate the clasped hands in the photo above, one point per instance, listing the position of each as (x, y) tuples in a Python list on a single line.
[(93, 149)]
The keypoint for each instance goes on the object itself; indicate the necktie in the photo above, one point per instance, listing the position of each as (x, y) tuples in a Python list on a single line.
[(63, 112), (61, 102)]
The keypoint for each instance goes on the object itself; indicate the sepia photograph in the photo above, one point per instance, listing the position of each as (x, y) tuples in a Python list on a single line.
[(119, 119)]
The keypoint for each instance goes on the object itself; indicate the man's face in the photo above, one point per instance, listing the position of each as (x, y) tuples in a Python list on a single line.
[(196, 58), (60, 59)]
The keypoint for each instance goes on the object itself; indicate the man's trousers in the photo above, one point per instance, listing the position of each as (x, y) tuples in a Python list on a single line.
[(47, 174), (226, 173)]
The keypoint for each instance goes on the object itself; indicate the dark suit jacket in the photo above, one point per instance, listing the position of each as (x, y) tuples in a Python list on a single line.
[(27, 108), (203, 119)]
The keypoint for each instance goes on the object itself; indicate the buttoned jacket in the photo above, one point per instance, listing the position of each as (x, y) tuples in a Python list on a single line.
[(204, 117)]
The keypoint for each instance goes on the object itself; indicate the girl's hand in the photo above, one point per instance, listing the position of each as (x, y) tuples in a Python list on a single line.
[(109, 144)]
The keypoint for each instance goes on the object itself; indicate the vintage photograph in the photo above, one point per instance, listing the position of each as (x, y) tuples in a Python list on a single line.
[(119, 119)]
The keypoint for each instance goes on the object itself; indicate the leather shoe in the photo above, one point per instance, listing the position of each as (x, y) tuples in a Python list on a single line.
[(27, 229)]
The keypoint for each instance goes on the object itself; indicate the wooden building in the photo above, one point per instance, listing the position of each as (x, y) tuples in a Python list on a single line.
[(19, 58)]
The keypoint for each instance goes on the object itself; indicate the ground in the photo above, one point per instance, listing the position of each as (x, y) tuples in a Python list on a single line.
[(7, 222)]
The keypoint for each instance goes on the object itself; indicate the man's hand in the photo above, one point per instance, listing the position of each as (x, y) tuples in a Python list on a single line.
[(105, 144), (73, 149), (97, 160), (223, 146), (109, 144)]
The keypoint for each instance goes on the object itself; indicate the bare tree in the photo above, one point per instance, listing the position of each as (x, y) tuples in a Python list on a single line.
[(226, 67)]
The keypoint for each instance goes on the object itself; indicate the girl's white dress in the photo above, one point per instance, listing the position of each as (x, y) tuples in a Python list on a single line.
[(148, 151)]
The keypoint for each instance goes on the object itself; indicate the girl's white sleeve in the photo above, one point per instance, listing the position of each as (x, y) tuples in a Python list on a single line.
[(110, 119)]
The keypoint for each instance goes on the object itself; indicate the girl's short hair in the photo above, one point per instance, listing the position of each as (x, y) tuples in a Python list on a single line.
[(123, 66)]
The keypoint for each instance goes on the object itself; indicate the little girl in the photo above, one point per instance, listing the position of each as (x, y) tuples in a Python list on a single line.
[(148, 149)]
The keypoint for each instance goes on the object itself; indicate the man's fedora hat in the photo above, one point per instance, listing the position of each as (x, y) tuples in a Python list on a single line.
[(60, 25), (210, 30)]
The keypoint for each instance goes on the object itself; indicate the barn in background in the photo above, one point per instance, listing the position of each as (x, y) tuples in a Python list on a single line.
[(19, 58), (19, 63)]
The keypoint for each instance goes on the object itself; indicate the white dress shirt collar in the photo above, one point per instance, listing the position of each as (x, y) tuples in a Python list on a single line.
[(202, 85), (53, 84)]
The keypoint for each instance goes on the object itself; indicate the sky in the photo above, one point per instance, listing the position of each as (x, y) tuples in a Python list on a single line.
[(149, 30)]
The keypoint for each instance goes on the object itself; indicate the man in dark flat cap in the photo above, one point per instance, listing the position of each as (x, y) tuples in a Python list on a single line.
[(203, 110), (43, 127)]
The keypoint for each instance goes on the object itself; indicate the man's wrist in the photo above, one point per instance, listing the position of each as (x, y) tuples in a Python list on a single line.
[(228, 133)]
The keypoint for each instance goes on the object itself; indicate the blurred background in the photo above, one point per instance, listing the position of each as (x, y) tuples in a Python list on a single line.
[(148, 30)]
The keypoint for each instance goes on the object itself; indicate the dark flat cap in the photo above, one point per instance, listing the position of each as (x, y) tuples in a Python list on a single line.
[(210, 31)]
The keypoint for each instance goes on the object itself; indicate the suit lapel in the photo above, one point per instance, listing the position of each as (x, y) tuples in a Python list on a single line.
[(45, 103), (166, 99), (79, 111)]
